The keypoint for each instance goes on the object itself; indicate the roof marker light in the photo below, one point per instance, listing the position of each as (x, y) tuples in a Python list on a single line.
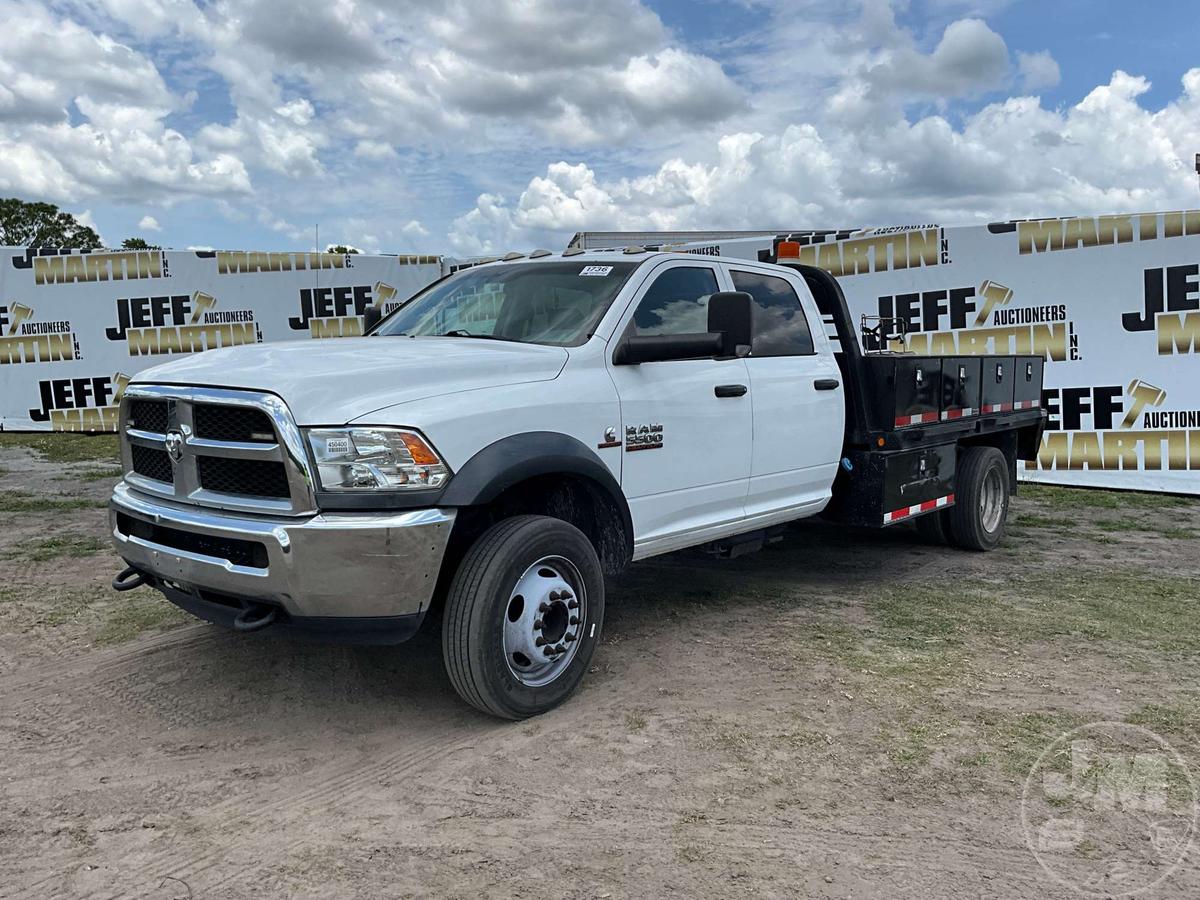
[(538, 254), (510, 256), (632, 250), (573, 251)]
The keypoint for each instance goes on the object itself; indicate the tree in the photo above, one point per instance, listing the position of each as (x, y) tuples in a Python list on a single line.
[(25, 224), (341, 248), (138, 244)]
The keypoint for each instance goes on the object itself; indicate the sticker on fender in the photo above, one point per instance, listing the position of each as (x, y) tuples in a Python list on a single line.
[(596, 270)]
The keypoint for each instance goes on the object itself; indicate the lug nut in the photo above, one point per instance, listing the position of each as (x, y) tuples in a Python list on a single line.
[(574, 604), (537, 624), (549, 651), (539, 642), (543, 607), (561, 648), (574, 620), (570, 638), (554, 595)]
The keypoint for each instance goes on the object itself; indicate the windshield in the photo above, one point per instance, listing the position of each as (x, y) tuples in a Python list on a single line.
[(556, 303)]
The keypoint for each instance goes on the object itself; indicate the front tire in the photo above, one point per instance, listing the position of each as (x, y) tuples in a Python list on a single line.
[(523, 616), (980, 499)]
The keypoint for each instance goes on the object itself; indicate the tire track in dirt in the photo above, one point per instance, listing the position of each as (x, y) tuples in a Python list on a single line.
[(344, 784)]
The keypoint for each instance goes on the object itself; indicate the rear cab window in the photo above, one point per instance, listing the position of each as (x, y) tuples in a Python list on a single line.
[(780, 326)]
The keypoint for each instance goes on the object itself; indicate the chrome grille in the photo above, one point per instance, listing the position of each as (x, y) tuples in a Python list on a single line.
[(215, 447), (233, 423), (148, 415), (152, 463), (258, 478)]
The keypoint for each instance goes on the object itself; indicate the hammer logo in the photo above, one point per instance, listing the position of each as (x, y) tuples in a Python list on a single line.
[(19, 313), (201, 303), (993, 295), (120, 382), (1141, 394), (384, 293)]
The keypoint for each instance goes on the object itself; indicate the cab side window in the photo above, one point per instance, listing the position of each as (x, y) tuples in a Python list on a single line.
[(676, 303), (780, 328)]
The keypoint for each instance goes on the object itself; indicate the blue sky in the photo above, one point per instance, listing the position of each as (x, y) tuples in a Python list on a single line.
[(482, 126)]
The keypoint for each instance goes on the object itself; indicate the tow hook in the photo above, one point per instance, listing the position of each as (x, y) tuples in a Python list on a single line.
[(129, 579), (255, 617)]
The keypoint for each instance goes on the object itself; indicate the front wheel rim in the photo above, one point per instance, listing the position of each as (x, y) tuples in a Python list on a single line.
[(991, 501), (544, 621)]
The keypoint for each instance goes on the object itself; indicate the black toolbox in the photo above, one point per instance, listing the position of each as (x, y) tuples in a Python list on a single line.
[(1027, 385), (961, 386), (906, 389), (880, 488), (999, 378)]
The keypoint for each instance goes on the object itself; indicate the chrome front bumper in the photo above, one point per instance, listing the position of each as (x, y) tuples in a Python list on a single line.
[(325, 566)]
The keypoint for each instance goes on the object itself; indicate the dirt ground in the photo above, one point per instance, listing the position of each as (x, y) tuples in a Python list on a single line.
[(840, 715)]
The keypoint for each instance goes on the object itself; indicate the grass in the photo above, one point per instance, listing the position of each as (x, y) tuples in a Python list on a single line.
[(1038, 520), (138, 615), (1180, 716), (1067, 498), (43, 549), (1159, 612), (912, 747), (99, 474), (1171, 532), (1013, 743), (108, 618), (18, 502), (59, 447)]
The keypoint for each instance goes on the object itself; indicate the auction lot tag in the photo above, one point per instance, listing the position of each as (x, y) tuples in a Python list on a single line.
[(596, 270)]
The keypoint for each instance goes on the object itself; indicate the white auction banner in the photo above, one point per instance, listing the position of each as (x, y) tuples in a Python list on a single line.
[(75, 326), (1110, 301)]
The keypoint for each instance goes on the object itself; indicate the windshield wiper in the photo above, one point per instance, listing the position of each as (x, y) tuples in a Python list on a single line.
[(462, 332)]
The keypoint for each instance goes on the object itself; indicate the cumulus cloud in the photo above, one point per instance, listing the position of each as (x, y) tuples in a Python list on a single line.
[(82, 115), (1015, 157), (1038, 70), (149, 223), (380, 119)]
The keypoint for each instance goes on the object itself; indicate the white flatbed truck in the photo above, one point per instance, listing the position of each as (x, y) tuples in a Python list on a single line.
[(514, 432)]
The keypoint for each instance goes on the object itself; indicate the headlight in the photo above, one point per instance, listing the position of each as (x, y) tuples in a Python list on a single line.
[(375, 459)]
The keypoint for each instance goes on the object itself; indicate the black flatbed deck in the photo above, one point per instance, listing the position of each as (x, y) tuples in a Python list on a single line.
[(908, 416)]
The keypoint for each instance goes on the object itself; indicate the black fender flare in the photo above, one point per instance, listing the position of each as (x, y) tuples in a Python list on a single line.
[(516, 458)]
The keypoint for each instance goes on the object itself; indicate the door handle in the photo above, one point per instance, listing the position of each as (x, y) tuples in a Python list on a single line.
[(826, 384), (730, 390)]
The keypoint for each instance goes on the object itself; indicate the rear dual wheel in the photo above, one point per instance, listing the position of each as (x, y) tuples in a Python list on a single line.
[(976, 520), (523, 616)]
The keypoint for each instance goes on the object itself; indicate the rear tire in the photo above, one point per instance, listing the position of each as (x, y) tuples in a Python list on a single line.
[(523, 616), (934, 527), (980, 499)]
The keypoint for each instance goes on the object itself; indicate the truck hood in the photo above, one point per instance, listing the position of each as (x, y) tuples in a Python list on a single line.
[(333, 381)]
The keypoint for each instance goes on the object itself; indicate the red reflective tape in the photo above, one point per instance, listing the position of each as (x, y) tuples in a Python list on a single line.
[(902, 421), (925, 506), (958, 412), (997, 407)]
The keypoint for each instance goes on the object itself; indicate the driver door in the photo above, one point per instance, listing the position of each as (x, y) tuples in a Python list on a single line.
[(687, 423)]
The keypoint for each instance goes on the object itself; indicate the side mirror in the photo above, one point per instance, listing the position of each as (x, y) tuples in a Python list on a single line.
[(661, 347), (372, 316), (731, 314)]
